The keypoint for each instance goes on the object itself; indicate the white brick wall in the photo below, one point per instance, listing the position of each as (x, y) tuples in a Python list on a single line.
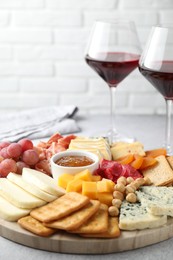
[(42, 45)]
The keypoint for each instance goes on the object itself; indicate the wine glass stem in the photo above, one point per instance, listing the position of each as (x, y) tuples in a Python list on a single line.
[(112, 113), (168, 126)]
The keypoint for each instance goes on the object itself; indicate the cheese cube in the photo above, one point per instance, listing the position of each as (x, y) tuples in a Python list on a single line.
[(105, 185), (64, 179), (84, 175), (89, 189), (105, 197), (74, 185), (95, 177)]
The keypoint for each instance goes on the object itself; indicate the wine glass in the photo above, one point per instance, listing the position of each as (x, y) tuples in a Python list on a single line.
[(156, 65), (113, 52)]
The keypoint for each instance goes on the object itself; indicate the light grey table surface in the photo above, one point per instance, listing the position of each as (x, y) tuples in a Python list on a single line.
[(147, 129)]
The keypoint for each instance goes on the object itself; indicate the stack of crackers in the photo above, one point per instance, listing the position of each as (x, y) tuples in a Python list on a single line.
[(161, 174), (74, 213)]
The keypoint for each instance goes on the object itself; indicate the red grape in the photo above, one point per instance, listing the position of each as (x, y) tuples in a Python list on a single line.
[(20, 166), (4, 144), (30, 157), (6, 166), (14, 150), (4, 153), (26, 144)]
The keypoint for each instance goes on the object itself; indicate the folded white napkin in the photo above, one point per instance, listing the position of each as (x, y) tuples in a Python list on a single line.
[(38, 123)]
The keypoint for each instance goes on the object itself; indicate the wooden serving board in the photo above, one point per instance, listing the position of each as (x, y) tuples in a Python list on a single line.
[(63, 242)]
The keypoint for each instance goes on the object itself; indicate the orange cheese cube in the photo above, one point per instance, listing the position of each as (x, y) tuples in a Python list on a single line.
[(89, 189), (105, 198), (95, 177), (84, 175), (74, 185), (105, 185), (64, 179)]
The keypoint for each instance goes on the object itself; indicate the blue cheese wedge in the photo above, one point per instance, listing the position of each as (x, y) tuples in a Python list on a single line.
[(158, 200), (134, 216), (163, 193)]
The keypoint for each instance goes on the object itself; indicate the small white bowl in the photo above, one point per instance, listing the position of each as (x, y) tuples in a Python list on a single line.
[(57, 170)]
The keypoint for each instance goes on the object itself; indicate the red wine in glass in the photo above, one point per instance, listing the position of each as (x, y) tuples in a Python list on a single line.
[(113, 67), (113, 57), (161, 79)]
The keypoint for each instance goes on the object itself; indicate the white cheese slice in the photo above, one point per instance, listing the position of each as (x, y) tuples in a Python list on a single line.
[(134, 216), (10, 212), (18, 180), (42, 181), (17, 196)]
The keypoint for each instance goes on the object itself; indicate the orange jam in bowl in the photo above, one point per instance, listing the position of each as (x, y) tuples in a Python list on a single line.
[(72, 162)]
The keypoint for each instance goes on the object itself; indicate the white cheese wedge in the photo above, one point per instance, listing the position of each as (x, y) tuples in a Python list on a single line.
[(42, 181), (96, 145), (17, 196), (134, 216), (18, 180), (10, 212), (155, 205)]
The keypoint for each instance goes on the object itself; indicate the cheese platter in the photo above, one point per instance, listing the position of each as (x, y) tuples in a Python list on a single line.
[(122, 203)]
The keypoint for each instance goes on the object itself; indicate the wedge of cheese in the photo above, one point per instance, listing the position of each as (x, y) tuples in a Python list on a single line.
[(17, 196), (10, 212), (34, 190), (99, 146), (134, 216), (164, 194), (42, 181), (120, 150), (154, 205)]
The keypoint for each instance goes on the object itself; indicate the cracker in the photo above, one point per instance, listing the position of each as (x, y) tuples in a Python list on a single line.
[(76, 219), (60, 207), (34, 226), (113, 230), (97, 223), (160, 174)]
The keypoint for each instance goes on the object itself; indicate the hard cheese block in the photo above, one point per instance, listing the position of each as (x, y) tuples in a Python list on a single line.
[(135, 216), (119, 150)]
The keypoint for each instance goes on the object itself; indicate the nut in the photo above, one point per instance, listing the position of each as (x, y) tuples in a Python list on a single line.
[(119, 187), (129, 180), (130, 189), (113, 211), (147, 181), (122, 180), (118, 195), (141, 181), (131, 197), (117, 203)]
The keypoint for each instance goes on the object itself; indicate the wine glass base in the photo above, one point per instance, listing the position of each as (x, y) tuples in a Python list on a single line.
[(114, 137)]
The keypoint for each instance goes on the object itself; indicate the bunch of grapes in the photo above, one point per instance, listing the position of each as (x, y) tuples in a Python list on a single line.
[(15, 156)]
